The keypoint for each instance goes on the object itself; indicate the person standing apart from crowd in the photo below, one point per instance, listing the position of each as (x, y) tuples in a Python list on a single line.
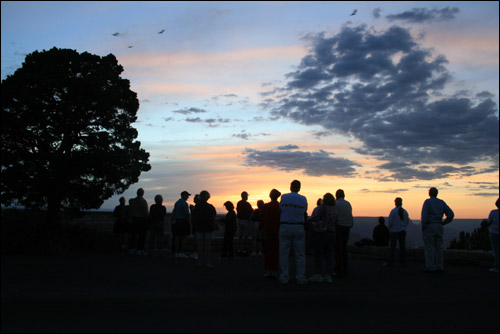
[(229, 231), (140, 210), (181, 226), (345, 222), (269, 228), (381, 234), (432, 231), (398, 221), (157, 214), (324, 221), (121, 224), (204, 219), (292, 234), (493, 223), (244, 210)]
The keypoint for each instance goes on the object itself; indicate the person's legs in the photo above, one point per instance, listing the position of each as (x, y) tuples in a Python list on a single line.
[(402, 247), (439, 247), (284, 251), (208, 249), (392, 248), (341, 248), (200, 239), (318, 250), (142, 234), (494, 247), (429, 248), (299, 247), (330, 252)]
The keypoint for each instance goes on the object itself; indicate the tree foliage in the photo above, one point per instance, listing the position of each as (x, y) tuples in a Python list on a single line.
[(67, 139), (478, 239)]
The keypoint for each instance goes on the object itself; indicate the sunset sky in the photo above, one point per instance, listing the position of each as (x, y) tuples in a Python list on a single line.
[(248, 96)]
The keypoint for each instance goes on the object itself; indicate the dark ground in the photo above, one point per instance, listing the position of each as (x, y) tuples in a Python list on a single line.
[(122, 293)]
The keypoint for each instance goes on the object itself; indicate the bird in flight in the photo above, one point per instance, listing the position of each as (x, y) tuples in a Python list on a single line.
[(116, 34), (130, 46), (354, 12), (162, 31)]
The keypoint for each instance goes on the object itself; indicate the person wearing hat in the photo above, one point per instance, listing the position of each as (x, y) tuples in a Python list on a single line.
[(180, 225)]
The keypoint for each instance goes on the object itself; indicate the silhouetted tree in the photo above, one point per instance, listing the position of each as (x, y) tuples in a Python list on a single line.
[(478, 239), (67, 139)]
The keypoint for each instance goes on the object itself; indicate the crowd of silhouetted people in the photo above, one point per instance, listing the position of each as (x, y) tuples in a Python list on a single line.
[(279, 228)]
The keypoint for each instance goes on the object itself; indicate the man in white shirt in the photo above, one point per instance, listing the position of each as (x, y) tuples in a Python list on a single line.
[(292, 234)]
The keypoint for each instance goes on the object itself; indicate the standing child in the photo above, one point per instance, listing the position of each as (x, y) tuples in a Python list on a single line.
[(229, 231)]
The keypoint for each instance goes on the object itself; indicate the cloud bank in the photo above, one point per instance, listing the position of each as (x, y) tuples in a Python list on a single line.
[(312, 163), (386, 91), (424, 15)]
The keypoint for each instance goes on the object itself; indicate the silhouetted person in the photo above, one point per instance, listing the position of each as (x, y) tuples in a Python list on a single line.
[(180, 224), (157, 213), (121, 223), (381, 233), (229, 223), (398, 221), (204, 219), (244, 211), (139, 209), (432, 230), (493, 223), (345, 222), (324, 221), (196, 199), (309, 229), (255, 222), (292, 234), (270, 225)]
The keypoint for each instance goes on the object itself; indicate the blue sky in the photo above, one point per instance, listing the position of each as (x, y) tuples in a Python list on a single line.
[(240, 96)]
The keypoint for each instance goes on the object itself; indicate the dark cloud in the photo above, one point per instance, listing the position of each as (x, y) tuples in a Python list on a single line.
[(409, 173), (376, 12), (387, 191), (211, 122), (386, 91), (424, 15), (242, 135), (247, 136), (287, 147), (312, 163), (188, 111), (485, 194)]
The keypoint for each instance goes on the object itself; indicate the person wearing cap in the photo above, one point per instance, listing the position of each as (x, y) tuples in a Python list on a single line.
[(180, 225), (292, 234)]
